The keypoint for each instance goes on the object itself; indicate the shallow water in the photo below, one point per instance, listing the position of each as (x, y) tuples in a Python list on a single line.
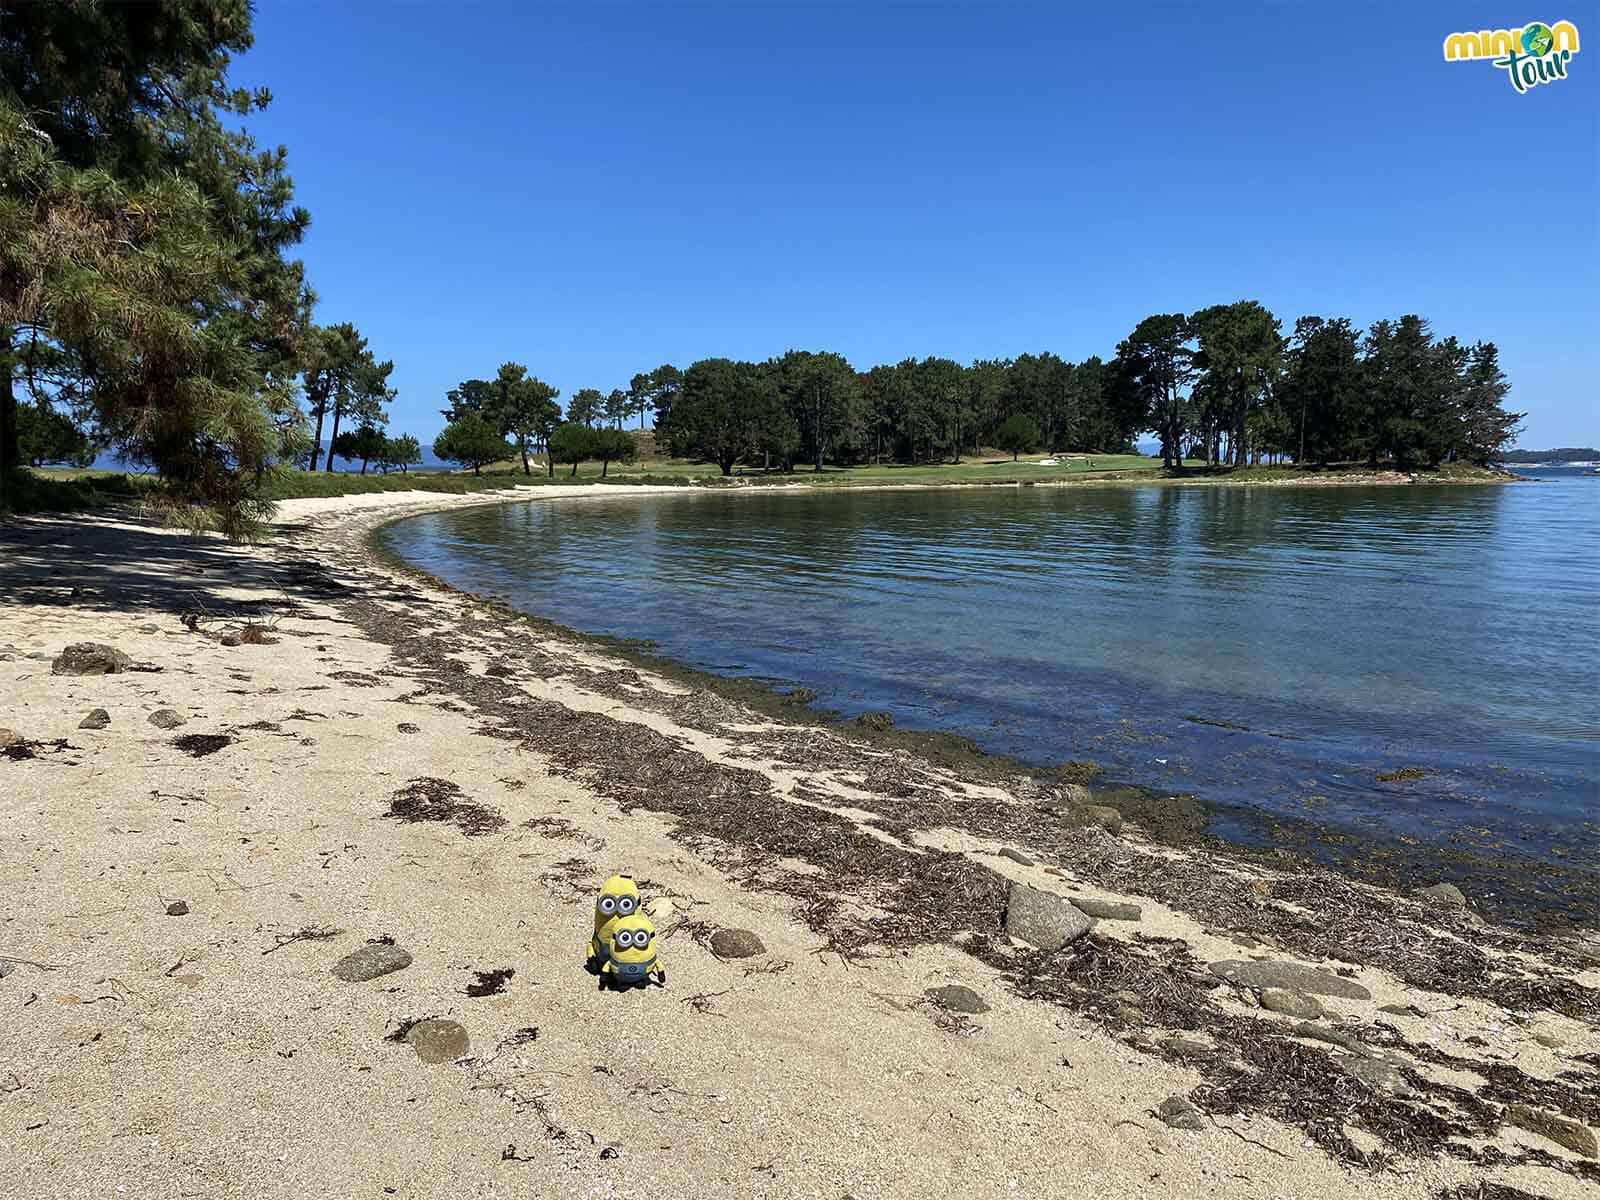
[(1269, 649)]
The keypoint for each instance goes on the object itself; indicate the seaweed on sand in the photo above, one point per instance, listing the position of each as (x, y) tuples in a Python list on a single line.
[(428, 799)]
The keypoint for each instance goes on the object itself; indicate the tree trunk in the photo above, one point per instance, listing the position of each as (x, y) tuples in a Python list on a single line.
[(316, 446), (523, 446), (476, 470), (574, 468), (550, 463), (10, 447), (363, 466), (333, 437), (604, 463)]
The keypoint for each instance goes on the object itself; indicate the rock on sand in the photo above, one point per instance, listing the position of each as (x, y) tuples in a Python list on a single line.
[(437, 1040), (90, 658), (369, 962), (1312, 980), (1044, 919)]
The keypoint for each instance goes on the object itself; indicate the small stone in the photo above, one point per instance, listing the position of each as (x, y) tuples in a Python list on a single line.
[(660, 909), (1265, 974), (6, 968), (149, 629), (1044, 919), (437, 1040), (10, 737), (1376, 1073), (736, 943), (1016, 856), (1334, 1037), (167, 718), (1443, 895), (98, 718), (90, 658), (1290, 1003), (1179, 1113), (178, 908), (1400, 1010), (876, 721), (1105, 817), (232, 639), (611, 1150), (1549, 1041), (1108, 910), (1578, 1138), (958, 998), (371, 961), (408, 727), (1186, 1047)]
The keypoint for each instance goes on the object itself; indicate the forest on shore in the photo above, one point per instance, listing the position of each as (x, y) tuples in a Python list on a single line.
[(150, 306)]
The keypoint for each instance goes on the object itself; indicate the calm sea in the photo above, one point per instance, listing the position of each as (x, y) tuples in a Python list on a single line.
[(1272, 650)]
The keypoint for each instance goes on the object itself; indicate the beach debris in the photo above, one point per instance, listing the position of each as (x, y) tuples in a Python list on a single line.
[(231, 639), (1268, 973), (6, 968), (1108, 910), (736, 943), (1179, 1113), (1290, 1002), (1044, 919), (1578, 1138), (97, 718), (1443, 896), (310, 933), (428, 799), (178, 908), (90, 658), (438, 1040), (408, 727), (490, 983), (957, 998), (370, 961), (167, 718), (878, 722), (198, 745), (1016, 856)]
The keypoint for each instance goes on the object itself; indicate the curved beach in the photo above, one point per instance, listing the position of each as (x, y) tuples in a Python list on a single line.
[(361, 754)]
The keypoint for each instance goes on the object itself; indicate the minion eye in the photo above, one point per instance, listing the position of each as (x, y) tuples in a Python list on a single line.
[(607, 905), (642, 938), (626, 905), (624, 937)]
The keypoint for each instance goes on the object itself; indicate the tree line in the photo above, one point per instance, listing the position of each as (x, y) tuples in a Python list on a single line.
[(149, 305)]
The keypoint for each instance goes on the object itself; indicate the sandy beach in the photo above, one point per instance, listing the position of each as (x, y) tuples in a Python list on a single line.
[(862, 997)]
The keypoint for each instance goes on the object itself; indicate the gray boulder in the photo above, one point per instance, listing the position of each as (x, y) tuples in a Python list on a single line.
[(1016, 856), (98, 718), (1108, 910), (90, 658), (1378, 1074), (1312, 980), (1178, 1113), (369, 962), (1443, 895), (1291, 1003), (167, 718), (957, 998), (1044, 919)]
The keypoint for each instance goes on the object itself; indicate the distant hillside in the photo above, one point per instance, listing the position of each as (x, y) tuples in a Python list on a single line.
[(1559, 454)]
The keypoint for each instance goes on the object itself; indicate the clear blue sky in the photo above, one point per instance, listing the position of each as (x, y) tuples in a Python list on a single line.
[(595, 190)]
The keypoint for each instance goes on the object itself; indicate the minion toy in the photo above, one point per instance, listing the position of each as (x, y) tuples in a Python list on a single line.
[(619, 897), (631, 953)]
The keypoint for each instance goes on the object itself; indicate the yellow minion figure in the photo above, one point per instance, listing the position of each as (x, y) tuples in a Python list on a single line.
[(631, 953), (619, 897)]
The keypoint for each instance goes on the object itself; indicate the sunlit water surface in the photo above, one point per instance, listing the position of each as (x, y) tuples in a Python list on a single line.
[(1269, 649)]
